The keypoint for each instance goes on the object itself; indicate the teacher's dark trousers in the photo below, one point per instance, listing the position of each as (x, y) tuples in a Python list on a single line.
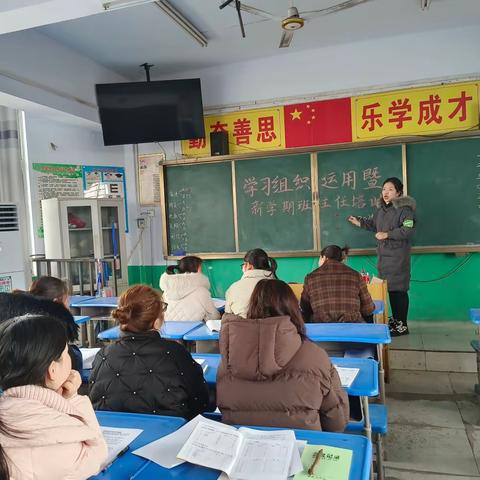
[(399, 302)]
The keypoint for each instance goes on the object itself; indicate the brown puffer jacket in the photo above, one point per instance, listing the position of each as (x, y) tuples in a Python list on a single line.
[(269, 377)]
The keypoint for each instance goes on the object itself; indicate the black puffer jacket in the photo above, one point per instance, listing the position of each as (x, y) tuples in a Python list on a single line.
[(145, 373), (398, 220)]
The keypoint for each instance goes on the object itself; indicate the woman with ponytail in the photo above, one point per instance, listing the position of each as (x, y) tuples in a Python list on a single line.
[(143, 372), (335, 293), (256, 266), (47, 430), (187, 292)]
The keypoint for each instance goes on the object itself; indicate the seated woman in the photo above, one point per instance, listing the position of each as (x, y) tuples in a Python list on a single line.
[(50, 288), (271, 374), (187, 292), (45, 426), (334, 292), (256, 266), (21, 303), (142, 372)]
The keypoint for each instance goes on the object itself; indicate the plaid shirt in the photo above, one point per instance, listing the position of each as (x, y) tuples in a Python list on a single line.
[(335, 293)]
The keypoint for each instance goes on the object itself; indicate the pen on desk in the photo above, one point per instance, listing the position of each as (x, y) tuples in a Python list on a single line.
[(316, 461), (119, 454), (140, 470)]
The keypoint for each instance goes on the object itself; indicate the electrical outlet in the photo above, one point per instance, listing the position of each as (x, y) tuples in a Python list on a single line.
[(141, 223), (148, 213)]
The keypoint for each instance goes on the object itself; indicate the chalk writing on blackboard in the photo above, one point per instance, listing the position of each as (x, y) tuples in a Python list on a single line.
[(276, 195), (178, 210), (350, 189)]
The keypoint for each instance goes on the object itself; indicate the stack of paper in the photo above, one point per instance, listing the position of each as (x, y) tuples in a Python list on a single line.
[(347, 375), (88, 355), (118, 439), (243, 454), (214, 325), (203, 363)]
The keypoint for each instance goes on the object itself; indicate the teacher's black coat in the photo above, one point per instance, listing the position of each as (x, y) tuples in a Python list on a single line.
[(398, 220)]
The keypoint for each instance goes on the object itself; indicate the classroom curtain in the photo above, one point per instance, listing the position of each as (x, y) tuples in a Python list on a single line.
[(11, 181)]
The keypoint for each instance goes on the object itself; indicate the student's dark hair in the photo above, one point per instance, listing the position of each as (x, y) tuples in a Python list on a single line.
[(28, 345), (22, 303), (397, 183), (334, 252), (188, 264), (51, 288), (261, 261), (274, 298), (138, 308)]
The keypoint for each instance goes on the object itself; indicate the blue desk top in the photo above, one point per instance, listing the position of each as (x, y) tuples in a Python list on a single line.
[(321, 332), (365, 383), (153, 426), (106, 302), (170, 330), (360, 469), (475, 315), (75, 300), (379, 307), (376, 333), (79, 319)]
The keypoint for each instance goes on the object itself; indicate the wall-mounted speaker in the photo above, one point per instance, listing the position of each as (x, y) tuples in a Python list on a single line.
[(219, 143)]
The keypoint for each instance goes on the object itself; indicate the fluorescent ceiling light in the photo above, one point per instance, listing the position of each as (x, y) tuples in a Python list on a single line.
[(182, 22), (169, 10), (116, 4)]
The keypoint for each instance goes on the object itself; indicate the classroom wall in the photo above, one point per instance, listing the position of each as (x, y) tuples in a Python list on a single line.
[(36, 68), (76, 145)]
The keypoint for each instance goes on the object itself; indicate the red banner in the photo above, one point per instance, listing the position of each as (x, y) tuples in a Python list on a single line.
[(318, 123)]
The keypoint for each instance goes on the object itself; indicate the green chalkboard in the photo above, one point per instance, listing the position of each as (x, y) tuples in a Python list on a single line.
[(444, 178), (350, 182), (200, 208), (274, 203)]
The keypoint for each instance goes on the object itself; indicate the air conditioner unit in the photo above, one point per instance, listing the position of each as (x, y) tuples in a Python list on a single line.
[(12, 264)]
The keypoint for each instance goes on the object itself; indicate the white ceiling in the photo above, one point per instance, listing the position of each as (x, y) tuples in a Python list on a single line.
[(123, 39)]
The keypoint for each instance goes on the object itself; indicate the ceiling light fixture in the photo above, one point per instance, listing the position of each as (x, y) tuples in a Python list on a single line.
[(182, 22), (117, 4)]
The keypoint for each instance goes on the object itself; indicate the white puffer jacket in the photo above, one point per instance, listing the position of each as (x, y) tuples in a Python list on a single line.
[(237, 297), (188, 297)]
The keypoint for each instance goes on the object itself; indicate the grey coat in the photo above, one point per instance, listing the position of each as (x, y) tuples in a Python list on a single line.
[(398, 220)]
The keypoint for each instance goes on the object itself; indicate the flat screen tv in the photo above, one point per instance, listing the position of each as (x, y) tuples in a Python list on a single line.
[(159, 111)]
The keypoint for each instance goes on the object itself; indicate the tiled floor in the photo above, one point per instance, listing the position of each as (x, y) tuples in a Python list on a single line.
[(434, 426), (435, 346)]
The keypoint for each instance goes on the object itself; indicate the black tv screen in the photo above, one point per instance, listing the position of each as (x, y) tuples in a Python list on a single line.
[(157, 111)]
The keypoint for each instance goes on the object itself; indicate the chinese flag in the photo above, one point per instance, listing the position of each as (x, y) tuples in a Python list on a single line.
[(318, 123)]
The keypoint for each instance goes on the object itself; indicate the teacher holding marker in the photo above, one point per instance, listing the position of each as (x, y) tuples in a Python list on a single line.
[(394, 224)]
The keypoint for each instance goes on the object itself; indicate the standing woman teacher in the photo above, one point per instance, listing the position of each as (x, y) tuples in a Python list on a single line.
[(394, 224)]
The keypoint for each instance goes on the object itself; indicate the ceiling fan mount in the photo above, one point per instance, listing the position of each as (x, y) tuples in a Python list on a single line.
[(294, 21)]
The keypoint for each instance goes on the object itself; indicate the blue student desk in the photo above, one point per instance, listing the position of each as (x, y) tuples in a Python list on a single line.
[(365, 383), (359, 470), (475, 315), (75, 300), (153, 426), (96, 302), (320, 332), (171, 330), (81, 319)]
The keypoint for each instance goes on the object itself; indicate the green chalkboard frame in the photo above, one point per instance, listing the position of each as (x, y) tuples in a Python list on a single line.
[(403, 142)]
